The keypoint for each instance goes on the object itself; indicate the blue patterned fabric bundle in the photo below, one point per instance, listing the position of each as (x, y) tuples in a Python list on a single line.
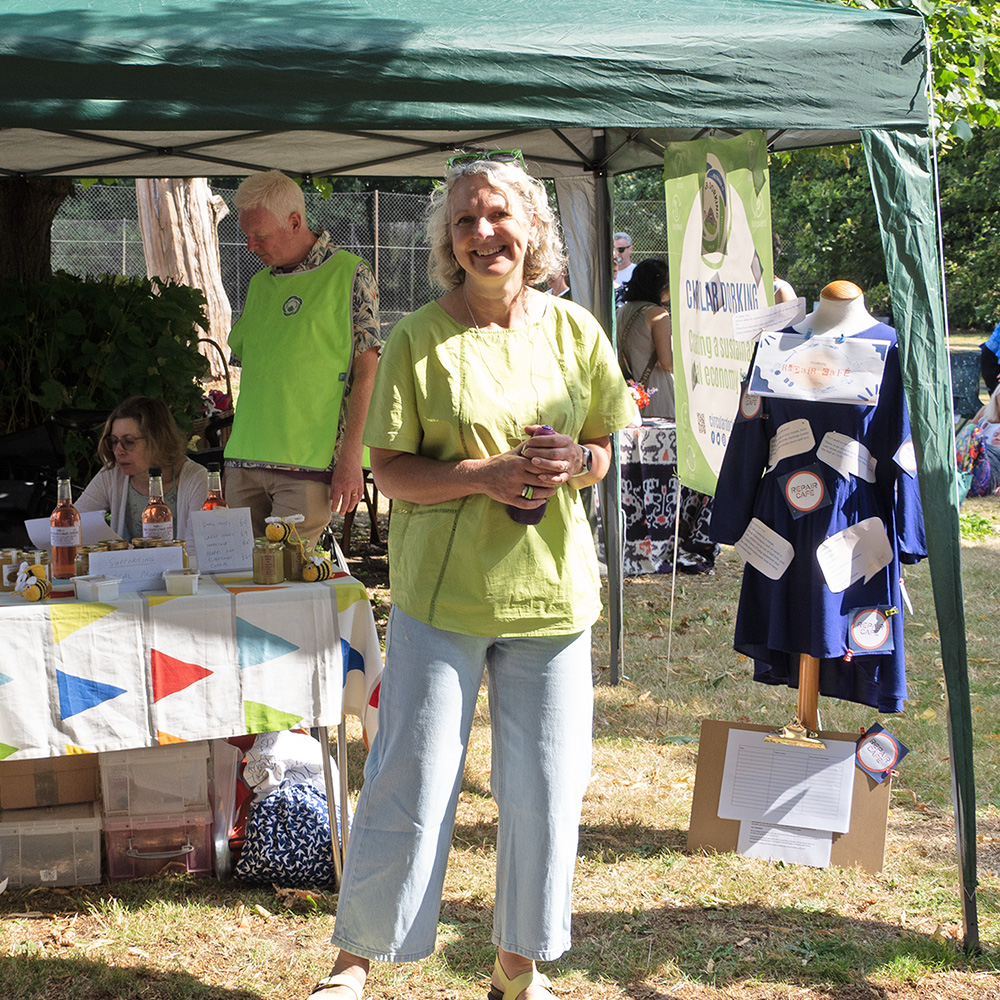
[(288, 839)]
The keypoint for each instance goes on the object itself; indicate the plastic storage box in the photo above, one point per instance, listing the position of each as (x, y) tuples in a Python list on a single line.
[(56, 846), (140, 847), (156, 781)]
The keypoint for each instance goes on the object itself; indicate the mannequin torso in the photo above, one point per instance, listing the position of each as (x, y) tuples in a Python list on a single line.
[(841, 311)]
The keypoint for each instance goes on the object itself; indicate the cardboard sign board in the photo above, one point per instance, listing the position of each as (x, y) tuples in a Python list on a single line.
[(863, 846)]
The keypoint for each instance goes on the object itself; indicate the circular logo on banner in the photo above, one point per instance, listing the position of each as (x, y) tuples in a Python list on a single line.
[(870, 629), (878, 752), (804, 491), (291, 305), (750, 404), (907, 457)]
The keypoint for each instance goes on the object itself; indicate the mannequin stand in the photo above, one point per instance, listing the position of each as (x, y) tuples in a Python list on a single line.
[(801, 731)]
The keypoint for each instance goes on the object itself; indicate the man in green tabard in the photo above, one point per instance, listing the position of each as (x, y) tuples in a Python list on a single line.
[(309, 340)]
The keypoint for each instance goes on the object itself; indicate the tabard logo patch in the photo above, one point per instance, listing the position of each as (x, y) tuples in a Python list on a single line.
[(291, 305)]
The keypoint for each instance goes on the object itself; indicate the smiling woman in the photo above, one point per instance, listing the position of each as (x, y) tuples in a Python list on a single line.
[(464, 388)]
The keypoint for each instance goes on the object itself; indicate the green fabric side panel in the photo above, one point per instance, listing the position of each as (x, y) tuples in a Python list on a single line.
[(899, 165), (285, 64)]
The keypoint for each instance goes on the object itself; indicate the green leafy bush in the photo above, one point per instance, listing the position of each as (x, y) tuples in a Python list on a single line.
[(90, 343)]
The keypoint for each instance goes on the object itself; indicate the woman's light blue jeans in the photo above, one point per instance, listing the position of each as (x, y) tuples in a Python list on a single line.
[(541, 708)]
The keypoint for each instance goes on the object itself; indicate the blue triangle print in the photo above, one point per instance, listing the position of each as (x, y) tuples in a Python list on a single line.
[(4, 679), (77, 694), (254, 645), (353, 660)]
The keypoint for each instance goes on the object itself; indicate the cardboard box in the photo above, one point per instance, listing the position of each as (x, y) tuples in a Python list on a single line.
[(49, 781)]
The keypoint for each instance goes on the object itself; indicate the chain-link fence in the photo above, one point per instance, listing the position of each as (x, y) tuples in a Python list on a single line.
[(97, 232)]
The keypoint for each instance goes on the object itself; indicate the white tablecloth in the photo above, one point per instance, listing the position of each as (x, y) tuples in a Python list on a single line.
[(148, 669)]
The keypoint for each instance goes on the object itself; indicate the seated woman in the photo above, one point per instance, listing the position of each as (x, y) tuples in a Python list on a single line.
[(138, 434), (978, 449), (644, 349)]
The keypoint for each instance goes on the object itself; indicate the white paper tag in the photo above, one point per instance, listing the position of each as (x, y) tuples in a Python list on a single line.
[(906, 457), (794, 438), (750, 324), (765, 550), (847, 456), (858, 551)]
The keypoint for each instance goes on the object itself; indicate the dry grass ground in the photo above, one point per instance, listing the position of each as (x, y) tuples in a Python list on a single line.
[(652, 921)]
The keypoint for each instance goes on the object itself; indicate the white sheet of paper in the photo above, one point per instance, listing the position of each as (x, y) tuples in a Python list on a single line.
[(223, 539), (792, 844), (824, 368), (794, 438), (787, 785), (847, 456), (139, 569), (751, 324), (765, 549), (93, 529), (858, 551)]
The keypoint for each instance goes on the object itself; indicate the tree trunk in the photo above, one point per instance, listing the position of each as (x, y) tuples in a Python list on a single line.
[(27, 208), (179, 219)]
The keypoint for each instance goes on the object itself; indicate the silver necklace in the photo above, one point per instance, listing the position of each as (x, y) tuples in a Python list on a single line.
[(472, 315)]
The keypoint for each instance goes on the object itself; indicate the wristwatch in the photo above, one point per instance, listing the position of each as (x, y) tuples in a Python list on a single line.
[(588, 460)]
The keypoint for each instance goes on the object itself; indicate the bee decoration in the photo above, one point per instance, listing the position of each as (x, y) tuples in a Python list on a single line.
[(316, 568), (33, 582), (281, 529)]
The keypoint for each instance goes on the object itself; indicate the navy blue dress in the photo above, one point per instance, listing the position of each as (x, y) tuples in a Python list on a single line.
[(780, 619)]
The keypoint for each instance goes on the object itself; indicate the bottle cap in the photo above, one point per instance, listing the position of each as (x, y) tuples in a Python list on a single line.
[(155, 470), (214, 467), (62, 474)]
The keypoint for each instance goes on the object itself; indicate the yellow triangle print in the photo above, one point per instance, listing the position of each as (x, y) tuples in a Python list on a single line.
[(71, 749), (69, 618), (350, 593), (154, 599), (164, 738)]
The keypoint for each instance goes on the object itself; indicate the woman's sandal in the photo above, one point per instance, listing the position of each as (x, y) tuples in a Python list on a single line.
[(341, 979), (511, 989)]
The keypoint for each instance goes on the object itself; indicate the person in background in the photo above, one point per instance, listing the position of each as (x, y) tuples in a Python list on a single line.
[(309, 341), (645, 351), (138, 434), (559, 286), (464, 385), (783, 291), (979, 444), (621, 256), (989, 359)]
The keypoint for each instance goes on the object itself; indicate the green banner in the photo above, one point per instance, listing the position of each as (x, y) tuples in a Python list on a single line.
[(719, 248)]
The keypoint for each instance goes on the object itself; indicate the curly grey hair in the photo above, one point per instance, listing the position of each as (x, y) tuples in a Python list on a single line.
[(545, 255)]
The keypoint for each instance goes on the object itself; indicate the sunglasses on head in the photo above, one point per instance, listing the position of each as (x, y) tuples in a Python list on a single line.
[(487, 155)]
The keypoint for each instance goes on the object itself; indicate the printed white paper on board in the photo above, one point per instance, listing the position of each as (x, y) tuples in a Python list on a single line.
[(787, 785), (791, 844)]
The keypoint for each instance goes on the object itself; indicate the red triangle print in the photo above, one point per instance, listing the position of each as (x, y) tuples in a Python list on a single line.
[(171, 675)]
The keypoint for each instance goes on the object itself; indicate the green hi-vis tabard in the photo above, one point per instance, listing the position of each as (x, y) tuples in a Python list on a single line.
[(295, 341)]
